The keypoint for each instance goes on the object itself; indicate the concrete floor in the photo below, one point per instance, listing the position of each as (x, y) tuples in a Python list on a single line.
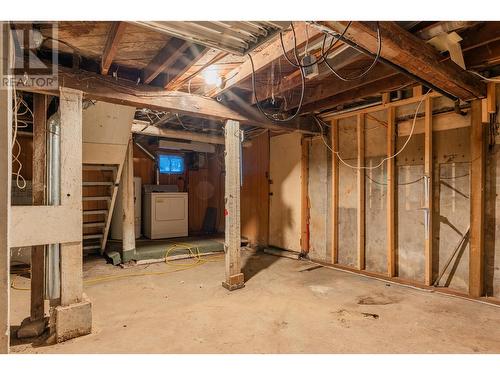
[(287, 306)]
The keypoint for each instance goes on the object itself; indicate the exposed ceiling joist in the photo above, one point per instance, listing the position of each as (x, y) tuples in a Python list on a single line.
[(334, 86), (266, 56), (111, 47), (178, 82), (164, 59), (186, 61), (345, 56), (412, 54), (145, 129), (375, 87)]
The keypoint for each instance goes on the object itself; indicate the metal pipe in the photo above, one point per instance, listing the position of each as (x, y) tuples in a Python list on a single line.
[(52, 265)]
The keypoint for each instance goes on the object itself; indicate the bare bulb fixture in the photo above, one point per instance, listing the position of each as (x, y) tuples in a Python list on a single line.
[(212, 77)]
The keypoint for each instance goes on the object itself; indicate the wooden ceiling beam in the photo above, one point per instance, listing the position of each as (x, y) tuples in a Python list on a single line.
[(266, 56), (484, 57), (485, 33), (178, 82), (412, 54), (164, 59), (293, 81), (334, 86), (138, 128), (382, 84), (186, 61), (120, 91), (111, 47)]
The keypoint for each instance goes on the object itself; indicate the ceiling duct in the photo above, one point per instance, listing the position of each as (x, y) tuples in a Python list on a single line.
[(236, 37)]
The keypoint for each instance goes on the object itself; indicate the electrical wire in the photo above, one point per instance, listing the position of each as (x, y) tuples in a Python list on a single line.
[(323, 57), (257, 102), (15, 156), (497, 80), (193, 252), (361, 75), (337, 154)]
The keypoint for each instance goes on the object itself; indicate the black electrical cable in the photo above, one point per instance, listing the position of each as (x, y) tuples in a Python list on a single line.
[(322, 57), (257, 102), (375, 60)]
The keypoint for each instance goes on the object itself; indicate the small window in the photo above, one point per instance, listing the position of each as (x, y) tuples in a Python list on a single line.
[(171, 164)]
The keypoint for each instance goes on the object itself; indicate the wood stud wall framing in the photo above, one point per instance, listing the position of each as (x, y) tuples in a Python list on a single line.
[(391, 193), (360, 131), (477, 202)]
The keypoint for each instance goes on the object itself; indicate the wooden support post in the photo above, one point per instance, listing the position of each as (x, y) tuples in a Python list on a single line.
[(477, 196), (39, 194), (491, 97), (304, 207), (361, 190), (418, 91), (391, 192), (5, 189), (335, 191), (232, 242), (128, 216), (71, 191), (429, 182)]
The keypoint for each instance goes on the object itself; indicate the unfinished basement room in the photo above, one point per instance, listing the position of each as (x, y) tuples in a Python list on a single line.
[(249, 186)]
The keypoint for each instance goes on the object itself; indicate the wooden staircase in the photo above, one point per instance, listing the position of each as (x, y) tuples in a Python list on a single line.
[(100, 187)]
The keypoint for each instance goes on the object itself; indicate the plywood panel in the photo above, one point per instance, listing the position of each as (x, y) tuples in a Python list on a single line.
[(255, 191), (285, 203), (107, 123)]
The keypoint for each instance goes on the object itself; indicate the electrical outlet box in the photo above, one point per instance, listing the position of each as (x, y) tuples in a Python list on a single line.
[(310, 71)]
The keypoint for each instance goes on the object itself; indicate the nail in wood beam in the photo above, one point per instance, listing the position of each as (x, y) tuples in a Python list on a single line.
[(429, 181), (335, 192), (128, 216), (477, 196), (111, 47), (232, 242), (304, 212), (361, 190), (40, 103), (5, 190), (391, 192)]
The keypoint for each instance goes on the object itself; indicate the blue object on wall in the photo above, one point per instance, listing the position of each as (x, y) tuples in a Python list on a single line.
[(171, 164)]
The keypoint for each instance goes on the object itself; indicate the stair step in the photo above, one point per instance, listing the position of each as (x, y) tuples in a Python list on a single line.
[(98, 168), (90, 236), (98, 183), (94, 224), (104, 198), (91, 247), (95, 212)]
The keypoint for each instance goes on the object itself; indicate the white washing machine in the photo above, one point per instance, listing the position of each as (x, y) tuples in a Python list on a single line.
[(165, 215)]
